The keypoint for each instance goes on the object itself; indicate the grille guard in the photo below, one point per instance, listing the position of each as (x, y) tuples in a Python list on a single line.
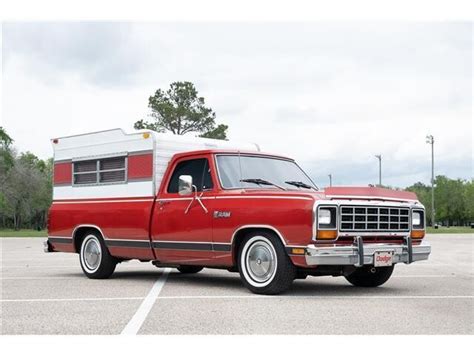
[(359, 254)]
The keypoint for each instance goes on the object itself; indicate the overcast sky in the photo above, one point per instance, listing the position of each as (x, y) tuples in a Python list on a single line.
[(330, 95)]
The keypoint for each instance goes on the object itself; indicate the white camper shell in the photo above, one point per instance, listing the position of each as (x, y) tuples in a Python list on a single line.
[(83, 155)]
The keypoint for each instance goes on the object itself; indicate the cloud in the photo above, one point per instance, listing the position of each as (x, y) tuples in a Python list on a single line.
[(330, 95), (97, 53)]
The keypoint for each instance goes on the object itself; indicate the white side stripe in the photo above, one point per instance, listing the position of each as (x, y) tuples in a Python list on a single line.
[(186, 199), (236, 197), (102, 201), (127, 240), (180, 199), (139, 317)]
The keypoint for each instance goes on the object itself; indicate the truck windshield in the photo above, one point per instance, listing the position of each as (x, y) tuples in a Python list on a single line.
[(252, 169)]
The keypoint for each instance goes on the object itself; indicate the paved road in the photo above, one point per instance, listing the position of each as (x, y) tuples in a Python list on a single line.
[(47, 294)]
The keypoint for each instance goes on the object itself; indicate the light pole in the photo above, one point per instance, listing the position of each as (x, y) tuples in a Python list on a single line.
[(330, 180), (379, 157), (430, 140)]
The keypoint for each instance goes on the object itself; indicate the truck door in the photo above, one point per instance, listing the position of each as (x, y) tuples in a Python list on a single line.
[(182, 225)]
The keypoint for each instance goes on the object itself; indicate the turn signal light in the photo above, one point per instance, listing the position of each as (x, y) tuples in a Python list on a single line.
[(326, 234), (297, 251), (418, 234), (146, 135)]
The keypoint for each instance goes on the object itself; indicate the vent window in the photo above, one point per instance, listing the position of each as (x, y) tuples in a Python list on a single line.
[(84, 166), (100, 171)]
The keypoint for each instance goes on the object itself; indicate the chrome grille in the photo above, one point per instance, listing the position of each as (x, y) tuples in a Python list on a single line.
[(374, 219)]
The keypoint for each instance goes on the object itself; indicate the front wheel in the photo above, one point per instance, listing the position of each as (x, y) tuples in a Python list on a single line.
[(370, 276), (264, 266), (96, 261)]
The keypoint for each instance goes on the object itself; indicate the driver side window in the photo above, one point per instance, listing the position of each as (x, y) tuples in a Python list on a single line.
[(200, 171)]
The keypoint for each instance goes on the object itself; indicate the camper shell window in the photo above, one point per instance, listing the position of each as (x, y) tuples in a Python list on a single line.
[(100, 171)]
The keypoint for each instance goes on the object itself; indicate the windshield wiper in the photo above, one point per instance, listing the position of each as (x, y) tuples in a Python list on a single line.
[(301, 184), (262, 182)]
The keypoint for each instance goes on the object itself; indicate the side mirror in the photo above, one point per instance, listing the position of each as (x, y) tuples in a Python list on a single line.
[(185, 185)]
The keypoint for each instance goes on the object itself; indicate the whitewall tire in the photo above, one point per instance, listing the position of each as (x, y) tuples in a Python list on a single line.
[(264, 266), (96, 261)]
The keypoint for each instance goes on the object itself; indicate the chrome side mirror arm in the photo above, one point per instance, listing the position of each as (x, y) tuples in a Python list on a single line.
[(196, 198)]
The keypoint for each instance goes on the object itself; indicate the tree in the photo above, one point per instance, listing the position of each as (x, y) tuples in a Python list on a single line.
[(217, 133), (33, 161), (469, 198), (454, 200), (449, 200), (423, 192), (22, 181), (6, 163), (180, 110), (26, 192), (5, 139)]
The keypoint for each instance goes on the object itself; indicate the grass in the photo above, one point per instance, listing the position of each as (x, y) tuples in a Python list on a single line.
[(22, 233), (450, 230)]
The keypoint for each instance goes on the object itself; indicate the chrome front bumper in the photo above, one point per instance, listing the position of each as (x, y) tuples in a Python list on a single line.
[(359, 254)]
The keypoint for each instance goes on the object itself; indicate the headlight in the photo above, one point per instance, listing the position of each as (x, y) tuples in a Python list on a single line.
[(417, 224), (324, 216), (418, 219), (326, 222), (327, 217)]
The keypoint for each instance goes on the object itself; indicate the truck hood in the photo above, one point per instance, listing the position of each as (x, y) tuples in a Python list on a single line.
[(343, 193), (368, 193)]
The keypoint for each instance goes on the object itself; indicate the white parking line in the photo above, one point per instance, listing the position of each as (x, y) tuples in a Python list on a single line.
[(71, 299), (36, 259), (41, 278), (35, 266), (428, 276), (137, 320), (51, 266), (312, 297), (139, 317)]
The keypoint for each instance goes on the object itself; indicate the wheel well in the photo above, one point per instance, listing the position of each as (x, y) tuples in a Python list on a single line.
[(79, 235), (240, 235)]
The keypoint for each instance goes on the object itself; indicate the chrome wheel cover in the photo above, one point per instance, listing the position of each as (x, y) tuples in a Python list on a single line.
[(260, 261), (91, 253)]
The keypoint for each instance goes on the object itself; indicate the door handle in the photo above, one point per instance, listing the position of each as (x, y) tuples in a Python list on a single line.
[(162, 203)]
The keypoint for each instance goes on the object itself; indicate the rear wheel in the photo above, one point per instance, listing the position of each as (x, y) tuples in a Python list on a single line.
[(189, 269), (96, 261), (264, 266), (370, 276)]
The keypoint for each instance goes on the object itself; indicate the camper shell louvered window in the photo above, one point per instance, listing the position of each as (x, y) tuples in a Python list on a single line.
[(100, 171)]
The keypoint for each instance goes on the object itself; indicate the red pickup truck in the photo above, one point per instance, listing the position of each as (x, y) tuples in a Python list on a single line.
[(191, 203)]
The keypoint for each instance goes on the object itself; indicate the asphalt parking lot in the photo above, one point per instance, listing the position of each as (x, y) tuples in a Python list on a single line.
[(48, 294)]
